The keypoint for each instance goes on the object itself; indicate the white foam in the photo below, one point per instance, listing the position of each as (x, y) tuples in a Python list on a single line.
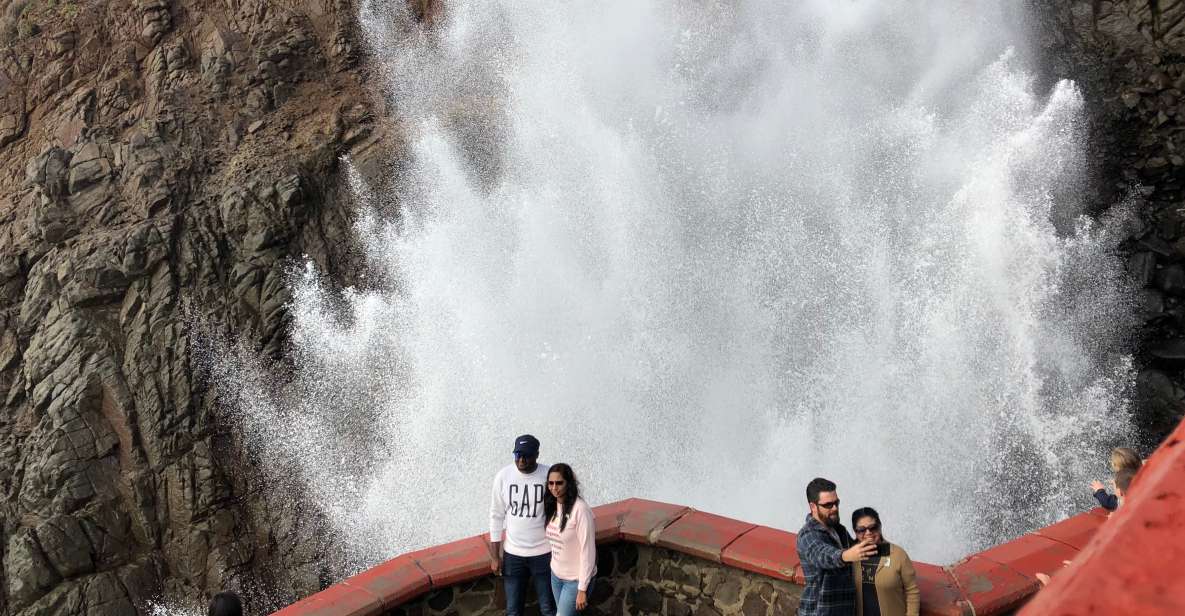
[(705, 252)]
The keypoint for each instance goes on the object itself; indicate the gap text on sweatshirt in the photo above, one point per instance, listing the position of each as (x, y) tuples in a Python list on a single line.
[(516, 511)]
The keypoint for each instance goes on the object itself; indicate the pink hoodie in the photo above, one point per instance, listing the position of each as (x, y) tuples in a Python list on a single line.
[(574, 551)]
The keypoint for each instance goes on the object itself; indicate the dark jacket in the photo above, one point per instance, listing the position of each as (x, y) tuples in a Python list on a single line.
[(1110, 502), (830, 588)]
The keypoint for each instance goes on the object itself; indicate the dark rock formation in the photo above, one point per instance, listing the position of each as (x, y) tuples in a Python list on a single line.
[(1129, 58), (161, 163)]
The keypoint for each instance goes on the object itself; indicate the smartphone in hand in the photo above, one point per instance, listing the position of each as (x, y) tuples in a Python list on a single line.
[(882, 549)]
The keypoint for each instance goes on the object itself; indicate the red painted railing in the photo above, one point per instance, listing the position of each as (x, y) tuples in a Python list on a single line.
[(990, 582), (1132, 565), (1128, 567)]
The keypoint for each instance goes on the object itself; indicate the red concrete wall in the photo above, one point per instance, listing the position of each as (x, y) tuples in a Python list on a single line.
[(991, 582), (1123, 564), (1133, 564)]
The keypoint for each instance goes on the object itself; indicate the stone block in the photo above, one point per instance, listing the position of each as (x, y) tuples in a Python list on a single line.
[(645, 600), (940, 593), (685, 578), (1031, 554), (754, 605), (712, 579), (992, 588), (608, 519), (394, 581), (441, 599), (703, 609), (703, 535), (459, 561), (475, 602), (337, 600), (763, 550), (1075, 531), (728, 594), (605, 557), (602, 590), (627, 558), (646, 518), (785, 603)]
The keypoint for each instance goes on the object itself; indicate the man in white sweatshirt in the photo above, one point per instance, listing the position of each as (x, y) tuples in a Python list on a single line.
[(516, 511)]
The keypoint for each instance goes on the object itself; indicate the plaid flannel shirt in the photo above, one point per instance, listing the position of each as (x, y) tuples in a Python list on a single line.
[(830, 587)]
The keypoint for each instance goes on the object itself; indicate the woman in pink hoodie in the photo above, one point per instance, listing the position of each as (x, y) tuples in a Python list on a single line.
[(572, 532)]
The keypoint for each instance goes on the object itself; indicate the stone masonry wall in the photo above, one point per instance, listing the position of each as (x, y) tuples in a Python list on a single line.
[(635, 580)]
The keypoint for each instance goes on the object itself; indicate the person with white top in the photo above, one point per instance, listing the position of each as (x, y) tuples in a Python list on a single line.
[(572, 533), (518, 541)]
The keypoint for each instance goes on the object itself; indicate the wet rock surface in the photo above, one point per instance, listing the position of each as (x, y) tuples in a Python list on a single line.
[(1128, 56), (134, 202)]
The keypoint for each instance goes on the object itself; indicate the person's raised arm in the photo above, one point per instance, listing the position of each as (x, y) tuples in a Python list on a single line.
[(1110, 502), (818, 553)]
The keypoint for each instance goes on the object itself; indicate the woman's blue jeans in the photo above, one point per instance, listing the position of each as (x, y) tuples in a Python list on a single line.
[(565, 595)]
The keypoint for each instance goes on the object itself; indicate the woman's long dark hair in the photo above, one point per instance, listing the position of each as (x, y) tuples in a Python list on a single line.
[(571, 491)]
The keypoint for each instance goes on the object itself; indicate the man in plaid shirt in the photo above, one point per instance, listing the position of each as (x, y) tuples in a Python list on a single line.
[(826, 552)]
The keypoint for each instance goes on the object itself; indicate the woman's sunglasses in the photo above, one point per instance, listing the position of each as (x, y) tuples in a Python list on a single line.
[(860, 530)]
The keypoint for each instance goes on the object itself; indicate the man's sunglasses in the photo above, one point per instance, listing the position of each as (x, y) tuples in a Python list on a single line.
[(832, 505), (874, 528)]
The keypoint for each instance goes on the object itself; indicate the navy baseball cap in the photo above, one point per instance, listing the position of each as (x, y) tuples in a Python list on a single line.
[(526, 446)]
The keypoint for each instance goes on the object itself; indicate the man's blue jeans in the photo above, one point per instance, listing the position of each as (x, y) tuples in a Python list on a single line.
[(517, 572)]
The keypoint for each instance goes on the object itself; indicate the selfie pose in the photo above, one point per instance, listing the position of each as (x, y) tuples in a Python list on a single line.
[(886, 584)]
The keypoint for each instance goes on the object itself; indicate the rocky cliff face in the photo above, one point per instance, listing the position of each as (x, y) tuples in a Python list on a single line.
[(164, 162), (161, 162), (1129, 58)]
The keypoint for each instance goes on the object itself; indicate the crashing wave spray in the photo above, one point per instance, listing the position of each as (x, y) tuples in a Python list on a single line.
[(705, 252)]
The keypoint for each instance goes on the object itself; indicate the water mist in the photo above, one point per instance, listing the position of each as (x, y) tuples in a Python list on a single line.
[(705, 252)]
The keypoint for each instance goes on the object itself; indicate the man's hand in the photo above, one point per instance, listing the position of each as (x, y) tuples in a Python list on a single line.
[(581, 600), (496, 554), (1097, 485), (860, 551)]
